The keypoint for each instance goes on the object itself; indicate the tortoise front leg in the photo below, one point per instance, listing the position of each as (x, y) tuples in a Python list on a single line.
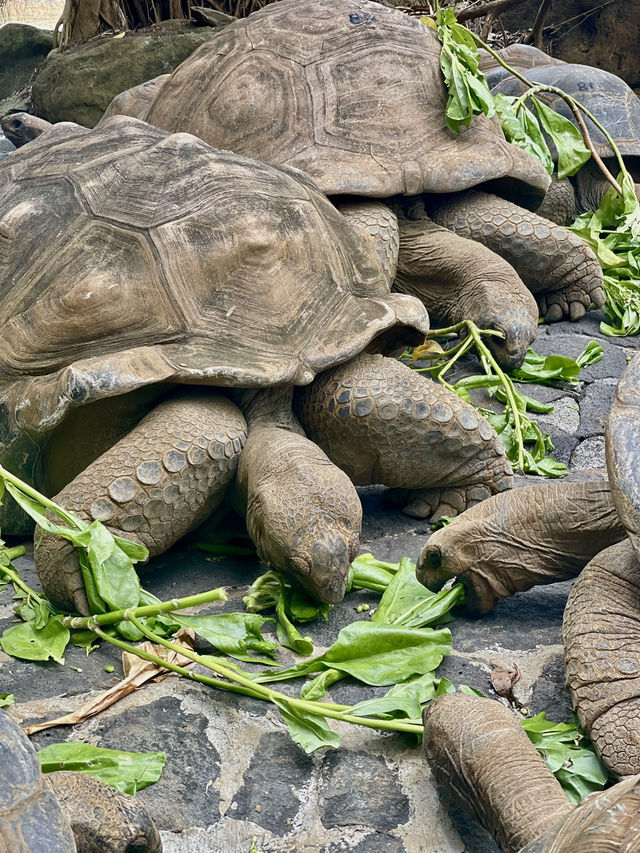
[(478, 749), (153, 486), (381, 422), (556, 265)]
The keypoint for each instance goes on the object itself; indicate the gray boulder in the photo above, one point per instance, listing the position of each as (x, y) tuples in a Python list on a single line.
[(22, 49), (78, 84)]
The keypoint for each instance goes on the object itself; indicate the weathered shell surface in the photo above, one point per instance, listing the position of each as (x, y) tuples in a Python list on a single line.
[(349, 91), (133, 256), (31, 819)]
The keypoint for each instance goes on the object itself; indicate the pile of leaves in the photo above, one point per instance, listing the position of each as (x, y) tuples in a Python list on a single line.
[(399, 645)]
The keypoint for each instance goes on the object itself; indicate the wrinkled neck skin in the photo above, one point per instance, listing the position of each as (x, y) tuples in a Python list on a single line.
[(591, 185), (267, 407)]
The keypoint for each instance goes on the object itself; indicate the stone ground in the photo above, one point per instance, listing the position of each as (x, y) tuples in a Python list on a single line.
[(234, 778)]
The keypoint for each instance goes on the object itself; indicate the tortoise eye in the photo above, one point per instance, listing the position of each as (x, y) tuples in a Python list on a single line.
[(15, 124)]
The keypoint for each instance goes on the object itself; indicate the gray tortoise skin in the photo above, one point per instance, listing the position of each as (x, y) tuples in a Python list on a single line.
[(64, 812), (547, 533), (478, 750)]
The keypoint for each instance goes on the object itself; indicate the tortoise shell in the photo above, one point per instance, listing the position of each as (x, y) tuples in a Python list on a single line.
[(133, 257), (31, 819), (348, 91), (614, 104)]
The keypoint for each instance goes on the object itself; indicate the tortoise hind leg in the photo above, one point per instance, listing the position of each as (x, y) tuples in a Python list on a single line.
[(381, 422), (154, 485)]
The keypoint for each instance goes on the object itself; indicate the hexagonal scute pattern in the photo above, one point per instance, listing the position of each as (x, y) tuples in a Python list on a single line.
[(349, 91), (233, 271), (155, 484), (381, 422)]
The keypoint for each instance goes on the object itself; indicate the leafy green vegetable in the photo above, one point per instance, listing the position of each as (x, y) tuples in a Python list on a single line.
[(408, 603), (569, 755), (513, 425), (273, 591), (6, 699), (128, 772), (30, 643), (366, 572), (613, 232), (376, 654), (106, 560), (468, 91), (308, 730), (235, 634), (469, 95)]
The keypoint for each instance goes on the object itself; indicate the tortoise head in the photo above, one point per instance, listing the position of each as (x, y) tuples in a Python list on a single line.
[(21, 128)]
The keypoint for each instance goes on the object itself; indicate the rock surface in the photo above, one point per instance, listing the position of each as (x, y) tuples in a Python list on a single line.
[(79, 84), (22, 49), (234, 777)]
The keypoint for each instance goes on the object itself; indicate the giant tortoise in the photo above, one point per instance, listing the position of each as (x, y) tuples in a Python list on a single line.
[(65, 811), (608, 98), (542, 534), (352, 93), (140, 268)]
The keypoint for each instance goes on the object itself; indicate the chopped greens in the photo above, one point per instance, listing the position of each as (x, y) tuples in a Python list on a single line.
[(569, 755)]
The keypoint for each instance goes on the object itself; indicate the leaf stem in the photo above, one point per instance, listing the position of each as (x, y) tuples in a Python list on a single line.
[(14, 553), (37, 496), (14, 577), (241, 684), (88, 622)]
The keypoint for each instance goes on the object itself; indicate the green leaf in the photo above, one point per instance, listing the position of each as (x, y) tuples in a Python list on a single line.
[(235, 634), (310, 731), (317, 687), (568, 754), (6, 699), (368, 573), (128, 772), (385, 654), (27, 642), (403, 700), (116, 579), (408, 603), (571, 150)]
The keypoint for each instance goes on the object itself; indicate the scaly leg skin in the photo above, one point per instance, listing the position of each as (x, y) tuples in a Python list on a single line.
[(478, 750), (601, 635), (557, 266), (381, 422), (102, 819), (381, 223), (623, 450), (153, 486), (532, 535), (459, 279), (303, 514)]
